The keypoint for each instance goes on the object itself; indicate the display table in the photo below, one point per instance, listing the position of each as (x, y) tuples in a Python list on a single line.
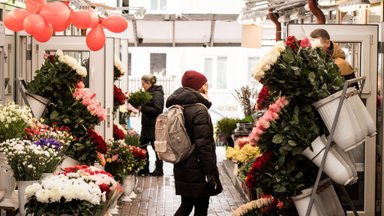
[(10, 206)]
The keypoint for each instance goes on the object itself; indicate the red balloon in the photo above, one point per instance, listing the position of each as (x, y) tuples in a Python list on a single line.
[(96, 38), (115, 23), (14, 19), (56, 13), (44, 35), (63, 27), (81, 19), (33, 5), (94, 17), (34, 23)]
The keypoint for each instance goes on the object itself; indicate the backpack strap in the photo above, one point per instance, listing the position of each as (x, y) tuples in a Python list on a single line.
[(194, 104)]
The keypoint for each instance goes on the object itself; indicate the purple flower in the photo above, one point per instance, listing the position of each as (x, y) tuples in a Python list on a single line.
[(50, 142)]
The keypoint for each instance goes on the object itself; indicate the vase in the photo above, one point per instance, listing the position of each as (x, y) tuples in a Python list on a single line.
[(326, 195), (67, 162), (37, 103), (347, 134), (337, 166), (21, 185), (45, 175), (128, 186)]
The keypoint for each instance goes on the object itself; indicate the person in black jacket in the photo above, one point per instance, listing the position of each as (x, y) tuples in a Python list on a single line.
[(197, 177), (150, 111)]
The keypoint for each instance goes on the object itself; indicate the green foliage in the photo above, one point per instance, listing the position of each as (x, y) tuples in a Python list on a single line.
[(139, 98), (227, 125), (307, 75)]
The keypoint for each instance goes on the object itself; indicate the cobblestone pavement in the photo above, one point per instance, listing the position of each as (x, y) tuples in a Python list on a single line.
[(158, 195)]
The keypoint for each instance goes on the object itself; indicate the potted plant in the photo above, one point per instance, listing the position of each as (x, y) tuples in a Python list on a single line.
[(225, 128)]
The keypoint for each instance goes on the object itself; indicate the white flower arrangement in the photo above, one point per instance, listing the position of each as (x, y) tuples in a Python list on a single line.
[(72, 62), (13, 120), (79, 190), (27, 160), (253, 207), (71, 187), (119, 66), (268, 60)]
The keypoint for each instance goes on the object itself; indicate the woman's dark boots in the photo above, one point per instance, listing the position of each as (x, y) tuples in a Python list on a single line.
[(159, 169)]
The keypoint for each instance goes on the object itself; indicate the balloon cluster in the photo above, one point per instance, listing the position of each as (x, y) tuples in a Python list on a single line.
[(40, 19)]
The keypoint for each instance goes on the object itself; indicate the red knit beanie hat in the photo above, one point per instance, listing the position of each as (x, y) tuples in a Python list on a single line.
[(193, 79)]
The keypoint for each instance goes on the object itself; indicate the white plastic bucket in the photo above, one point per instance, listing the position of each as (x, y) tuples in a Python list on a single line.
[(336, 167), (347, 134), (327, 196)]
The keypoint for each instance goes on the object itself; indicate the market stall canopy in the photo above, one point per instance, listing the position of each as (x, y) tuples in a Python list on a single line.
[(207, 30)]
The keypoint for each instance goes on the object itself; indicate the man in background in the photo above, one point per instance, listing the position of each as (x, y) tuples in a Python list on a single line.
[(320, 37)]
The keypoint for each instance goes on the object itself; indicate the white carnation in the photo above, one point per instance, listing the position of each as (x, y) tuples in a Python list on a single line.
[(32, 189), (43, 195)]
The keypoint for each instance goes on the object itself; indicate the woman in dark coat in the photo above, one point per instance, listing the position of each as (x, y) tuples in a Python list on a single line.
[(197, 177), (150, 111)]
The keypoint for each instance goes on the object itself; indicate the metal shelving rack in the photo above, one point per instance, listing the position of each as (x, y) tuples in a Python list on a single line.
[(329, 142)]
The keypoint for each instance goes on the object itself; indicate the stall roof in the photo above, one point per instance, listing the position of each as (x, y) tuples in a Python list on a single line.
[(185, 30)]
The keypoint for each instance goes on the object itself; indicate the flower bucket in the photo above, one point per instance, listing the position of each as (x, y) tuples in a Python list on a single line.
[(327, 197), (128, 186), (362, 114), (67, 162), (45, 175), (337, 166), (21, 185), (348, 134), (37, 103)]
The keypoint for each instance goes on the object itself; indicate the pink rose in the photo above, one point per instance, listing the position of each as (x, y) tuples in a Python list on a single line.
[(86, 102), (80, 85), (268, 115), (275, 108), (305, 43)]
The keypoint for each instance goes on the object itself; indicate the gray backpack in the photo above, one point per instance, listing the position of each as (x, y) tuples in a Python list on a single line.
[(172, 143)]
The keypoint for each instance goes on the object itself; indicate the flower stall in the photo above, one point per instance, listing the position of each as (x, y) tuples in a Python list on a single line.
[(296, 77)]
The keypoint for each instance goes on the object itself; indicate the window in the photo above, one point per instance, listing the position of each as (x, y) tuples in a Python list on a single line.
[(158, 4), (158, 63), (216, 71)]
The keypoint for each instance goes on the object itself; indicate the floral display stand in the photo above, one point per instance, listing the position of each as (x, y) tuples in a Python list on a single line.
[(332, 131)]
